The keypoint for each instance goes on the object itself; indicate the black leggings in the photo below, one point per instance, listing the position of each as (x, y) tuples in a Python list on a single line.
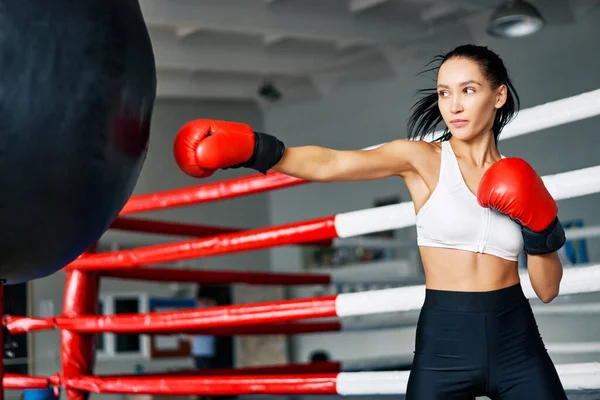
[(472, 344)]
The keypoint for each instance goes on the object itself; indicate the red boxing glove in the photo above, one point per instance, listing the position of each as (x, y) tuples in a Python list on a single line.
[(203, 146), (511, 186)]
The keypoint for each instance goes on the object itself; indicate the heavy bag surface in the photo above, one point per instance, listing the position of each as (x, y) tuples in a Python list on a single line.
[(77, 90)]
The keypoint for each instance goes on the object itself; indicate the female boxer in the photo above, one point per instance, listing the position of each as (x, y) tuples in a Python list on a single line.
[(475, 212)]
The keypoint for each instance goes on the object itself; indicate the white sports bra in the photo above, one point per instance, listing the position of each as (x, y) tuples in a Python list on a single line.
[(452, 218)]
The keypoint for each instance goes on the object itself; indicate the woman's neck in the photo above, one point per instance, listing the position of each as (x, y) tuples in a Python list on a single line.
[(480, 151)]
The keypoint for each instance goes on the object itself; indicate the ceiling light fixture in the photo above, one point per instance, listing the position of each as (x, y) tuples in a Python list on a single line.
[(515, 18)]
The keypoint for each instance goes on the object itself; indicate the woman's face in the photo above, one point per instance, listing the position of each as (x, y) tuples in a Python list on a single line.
[(466, 100)]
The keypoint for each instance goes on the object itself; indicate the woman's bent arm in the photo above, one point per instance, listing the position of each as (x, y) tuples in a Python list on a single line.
[(545, 272), (321, 164)]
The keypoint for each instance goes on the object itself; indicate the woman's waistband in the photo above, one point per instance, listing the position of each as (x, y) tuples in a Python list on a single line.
[(508, 297)]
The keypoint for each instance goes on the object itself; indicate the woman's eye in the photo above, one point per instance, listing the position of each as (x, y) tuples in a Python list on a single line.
[(469, 90), (443, 94)]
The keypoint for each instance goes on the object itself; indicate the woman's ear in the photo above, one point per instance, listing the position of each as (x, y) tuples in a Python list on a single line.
[(501, 94)]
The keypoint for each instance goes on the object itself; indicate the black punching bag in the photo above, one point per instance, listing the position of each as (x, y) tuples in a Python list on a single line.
[(77, 89)]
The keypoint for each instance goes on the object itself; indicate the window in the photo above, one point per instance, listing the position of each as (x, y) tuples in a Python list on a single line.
[(127, 343), (117, 345)]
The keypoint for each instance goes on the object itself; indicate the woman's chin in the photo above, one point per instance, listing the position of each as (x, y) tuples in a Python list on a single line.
[(463, 134)]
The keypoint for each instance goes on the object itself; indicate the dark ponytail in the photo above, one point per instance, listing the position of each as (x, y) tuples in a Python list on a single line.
[(425, 115)]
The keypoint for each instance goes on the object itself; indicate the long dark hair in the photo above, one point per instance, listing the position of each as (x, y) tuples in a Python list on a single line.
[(425, 115)]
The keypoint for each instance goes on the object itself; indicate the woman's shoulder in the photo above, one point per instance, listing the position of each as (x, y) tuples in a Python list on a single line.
[(415, 145), (418, 148), (418, 153)]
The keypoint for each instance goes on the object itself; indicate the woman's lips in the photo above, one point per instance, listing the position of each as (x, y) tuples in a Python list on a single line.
[(459, 123)]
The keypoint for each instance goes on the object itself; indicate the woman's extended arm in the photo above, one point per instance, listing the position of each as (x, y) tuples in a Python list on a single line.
[(321, 164), (545, 272), (203, 146)]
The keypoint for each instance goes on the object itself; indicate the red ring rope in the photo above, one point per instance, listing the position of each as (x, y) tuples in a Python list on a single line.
[(222, 190), (324, 383), (216, 277), (294, 233)]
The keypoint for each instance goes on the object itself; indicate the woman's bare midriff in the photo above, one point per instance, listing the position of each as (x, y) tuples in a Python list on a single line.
[(458, 270)]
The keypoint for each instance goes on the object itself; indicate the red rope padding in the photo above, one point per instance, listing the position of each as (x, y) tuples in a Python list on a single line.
[(225, 316), (197, 319), (217, 277), (18, 325), (256, 239), (17, 381), (25, 324), (168, 228), (313, 368), (324, 383), (139, 225), (226, 189), (285, 328)]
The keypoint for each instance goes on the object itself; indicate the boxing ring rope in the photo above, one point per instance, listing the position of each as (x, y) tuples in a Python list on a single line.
[(264, 317), (584, 232), (575, 280), (562, 186), (573, 376), (139, 225), (168, 228), (216, 277), (18, 381)]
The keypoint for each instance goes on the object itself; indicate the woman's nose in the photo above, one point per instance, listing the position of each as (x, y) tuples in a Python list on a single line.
[(456, 105)]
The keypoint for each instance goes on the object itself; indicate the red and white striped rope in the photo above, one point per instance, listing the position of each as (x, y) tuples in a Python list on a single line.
[(575, 280), (312, 378), (562, 186), (582, 376)]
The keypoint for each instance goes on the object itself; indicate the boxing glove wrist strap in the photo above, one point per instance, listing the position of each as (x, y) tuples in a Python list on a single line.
[(268, 150), (547, 241)]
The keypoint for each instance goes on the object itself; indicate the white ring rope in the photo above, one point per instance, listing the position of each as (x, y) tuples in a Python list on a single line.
[(555, 113), (573, 348), (406, 319), (583, 376), (575, 280), (585, 232), (568, 309), (547, 115)]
